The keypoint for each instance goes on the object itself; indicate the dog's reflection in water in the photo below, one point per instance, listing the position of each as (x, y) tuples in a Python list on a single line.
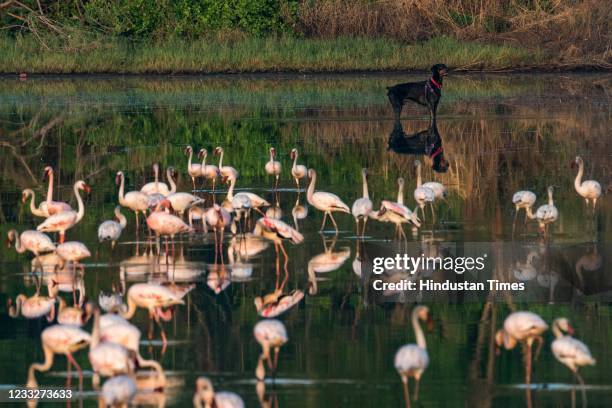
[(426, 142)]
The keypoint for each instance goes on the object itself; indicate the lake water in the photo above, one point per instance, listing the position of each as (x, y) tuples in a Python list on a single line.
[(500, 134)]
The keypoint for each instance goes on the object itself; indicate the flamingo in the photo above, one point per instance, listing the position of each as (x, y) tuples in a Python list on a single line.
[(523, 199), (217, 218), (569, 351), (196, 214), (422, 194), (225, 171), (62, 221), (411, 360), (273, 167), (206, 393), (209, 171), (193, 169), (74, 315), (545, 214), (33, 307), (277, 231), (110, 230), (362, 207), (118, 391), (154, 298), (397, 213), (590, 190), (270, 334), (30, 240), (107, 359), (60, 339), (54, 207), (524, 327), (136, 201), (183, 201), (166, 224), (155, 186), (243, 201), (439, 189), (298, 171), (41, 210), (322, 201), (73, 251)]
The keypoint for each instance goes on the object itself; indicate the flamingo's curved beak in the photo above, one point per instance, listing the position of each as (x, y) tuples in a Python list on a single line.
[(573, 164), (292, 155), (23, 198), (273, 151), (187, 150), (200, 154), (216, 150), (570, 330), (117, 179), (430, 323), (87, 188), (224, 179)]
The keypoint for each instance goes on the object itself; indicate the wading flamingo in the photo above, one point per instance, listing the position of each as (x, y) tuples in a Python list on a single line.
[(136, 201), (273, 167), (590, 190), (569, 351), (205, 393), (411, 360), (422, 194), (225, 171), (523, 327), (118, 391), (362, 207), (41, 210), (156, 186), (183, 201), (30, 240), (165, 224), (523, 199), (397, 213), (209, 171), (545, 214), (110, 230), (54, 207), (62, 221), (270, 334), (73, 251), (298, 171), (439, 189), (193, 169), (322, 201), (277, 231), (60, 339), (154, 298), (243, 201), (217, 218)]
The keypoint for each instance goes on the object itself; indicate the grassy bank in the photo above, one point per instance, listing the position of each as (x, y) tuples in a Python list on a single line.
[(248, 54)]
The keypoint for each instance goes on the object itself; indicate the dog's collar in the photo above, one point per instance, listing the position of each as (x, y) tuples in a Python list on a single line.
[(436, 84), (438, 151)]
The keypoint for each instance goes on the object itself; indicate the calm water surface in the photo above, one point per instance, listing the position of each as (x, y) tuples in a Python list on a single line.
[(500, 134)]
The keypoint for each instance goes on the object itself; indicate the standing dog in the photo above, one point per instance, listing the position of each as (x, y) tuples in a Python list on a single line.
[(426, 93)]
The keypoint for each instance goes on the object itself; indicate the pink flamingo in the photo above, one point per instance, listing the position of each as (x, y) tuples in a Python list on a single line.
[(136, 201), (225, 171), (277, 231), (60, 222), (423, 194), (326, 202), (206, 393), (30, 240), (193, 169), (218, 219), (362, 207), (270, 334), (118, 391), (166, 224), (590, 190), (54, 207), (154, 298), (73, 251), (34, 306), (209, 171), (156, 186), (273, 167), (41, 210), (298, 171), (110, 230), (60, 339), (569, 351)]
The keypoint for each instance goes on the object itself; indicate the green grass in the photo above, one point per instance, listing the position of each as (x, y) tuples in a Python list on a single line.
[(108, 55)]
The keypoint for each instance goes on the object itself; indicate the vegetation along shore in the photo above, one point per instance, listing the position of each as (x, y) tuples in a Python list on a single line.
[(224, 36)]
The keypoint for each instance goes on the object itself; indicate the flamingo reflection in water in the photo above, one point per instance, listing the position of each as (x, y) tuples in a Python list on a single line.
[(205, 393), (35, 306), (325, 262), (270, 334)]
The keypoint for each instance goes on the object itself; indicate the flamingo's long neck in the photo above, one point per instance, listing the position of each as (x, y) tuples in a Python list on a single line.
[(419, 174), (95, 333), (230, 191), (131, 309), (120, 217), (556, 329), (81, 211), (14, 311), (50, 187), (189, 160), (311, 187), (204, 156), (578, 180), (294, 167), (400, 194), (271, 161), (530, 213), (155, 366), (550, 197), (156, 171), (365, 185), (220, 158), (420, 336), (20, 249), (171, 181), (121, 190), (46, 366), (33, 208)]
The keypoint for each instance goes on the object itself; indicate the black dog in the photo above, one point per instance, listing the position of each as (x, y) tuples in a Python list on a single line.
[(426, 93), (426, 142)]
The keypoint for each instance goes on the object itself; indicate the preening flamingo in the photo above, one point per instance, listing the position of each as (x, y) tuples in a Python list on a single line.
[(397, 213), (569, 351), (545, 214), (154, 298), (41, 210), (156, 186), (60, 339), (422, 194), (298, 171), (225, 171), (54, 207), (523, 199), (411, 360), (273, 167), (277, 231), (209, 171), (62, 221), (136, 201), (193, 169), (30, 240), (118, 391), (110, 230), (322, 201), (362, 207), (590, 190), (270, 334), (205, 393), (524, 327)]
